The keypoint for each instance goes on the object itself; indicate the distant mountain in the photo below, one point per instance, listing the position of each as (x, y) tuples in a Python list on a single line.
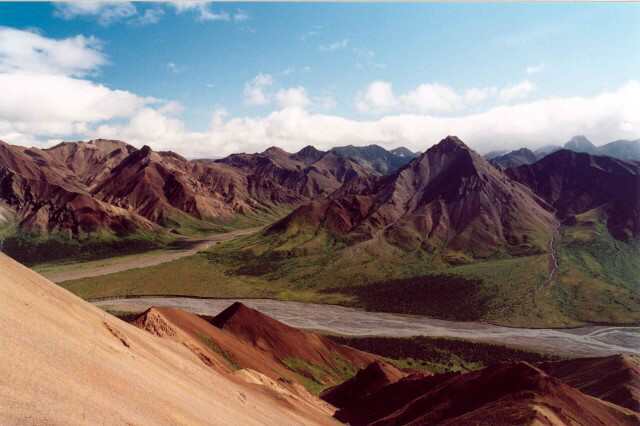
[(493, 154), (546, 150), (278, 177), (403, 152), (375, 157), (581, 144), (628, 150), (514, 158), (575, 183), (622, 149), (447, 198)]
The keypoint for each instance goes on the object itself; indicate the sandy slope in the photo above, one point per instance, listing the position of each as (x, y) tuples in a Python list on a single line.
[(63, 361)]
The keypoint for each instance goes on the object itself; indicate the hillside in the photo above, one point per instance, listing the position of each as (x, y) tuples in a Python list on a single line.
[(505, 394), (449, 198), (66, 362)]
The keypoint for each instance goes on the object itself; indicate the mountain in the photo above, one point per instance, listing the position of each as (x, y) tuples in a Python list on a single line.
[(514, 158), (47, 195), (277, 177), (615, 378), (403, 152), (493, 154), (505, 394), (96, 193), (68, 362), (546, 150), (628, 150), (366, 382), (313, 356), (279, 352), (581, 144), (375, 157), (574, 183), (449, 198), (622, 149)]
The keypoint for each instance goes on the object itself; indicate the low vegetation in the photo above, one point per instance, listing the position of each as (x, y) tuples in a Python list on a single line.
[(440, 355), (596, 282)]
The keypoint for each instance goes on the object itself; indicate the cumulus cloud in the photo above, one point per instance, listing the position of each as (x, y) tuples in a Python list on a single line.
[(294, 97), (517, 91), (29, 51), (255, 90), (43, 94), (379, 97), (433, 98), (604, 117)]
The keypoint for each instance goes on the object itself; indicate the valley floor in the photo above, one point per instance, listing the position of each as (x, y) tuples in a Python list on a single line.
[(583, 341)]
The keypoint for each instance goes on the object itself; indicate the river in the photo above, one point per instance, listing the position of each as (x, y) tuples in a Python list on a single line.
[(583, 341)]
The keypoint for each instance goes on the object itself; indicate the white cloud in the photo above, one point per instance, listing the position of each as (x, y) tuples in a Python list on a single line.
[(377, 97), (204, 13), (294, 97), (28, 51), (517, 91), (254, 90), (534, 69), (605, 117), (150, 16), (428, 98), (341, 44), (42, 94), (45, 104), (106, 12), (476, 96), (432, 98)]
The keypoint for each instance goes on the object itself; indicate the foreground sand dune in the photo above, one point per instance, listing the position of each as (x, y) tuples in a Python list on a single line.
[(64, 361)]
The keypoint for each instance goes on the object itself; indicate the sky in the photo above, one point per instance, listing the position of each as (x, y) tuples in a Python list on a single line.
[(209, 79)]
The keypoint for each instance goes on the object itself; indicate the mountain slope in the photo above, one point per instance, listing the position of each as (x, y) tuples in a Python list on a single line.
[(514, 158), (615, 379), (366, 382), (66, 362), (241, 337), (501, 395), (574, 183), (375, 157), (448, 198)]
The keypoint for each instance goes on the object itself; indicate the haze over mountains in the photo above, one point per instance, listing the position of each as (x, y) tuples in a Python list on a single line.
[(628, 150)]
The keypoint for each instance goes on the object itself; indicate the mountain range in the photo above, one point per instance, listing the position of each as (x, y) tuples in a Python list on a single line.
[(628, 150), (354, 224)]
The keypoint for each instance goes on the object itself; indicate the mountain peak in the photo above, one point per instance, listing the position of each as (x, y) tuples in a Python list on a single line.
[(401, 151), (274, 150), (237, 311), (309, 154), (581, 144), (451, 142)]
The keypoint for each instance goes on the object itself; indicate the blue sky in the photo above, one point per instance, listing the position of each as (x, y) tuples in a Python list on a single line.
[(381, 73)]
